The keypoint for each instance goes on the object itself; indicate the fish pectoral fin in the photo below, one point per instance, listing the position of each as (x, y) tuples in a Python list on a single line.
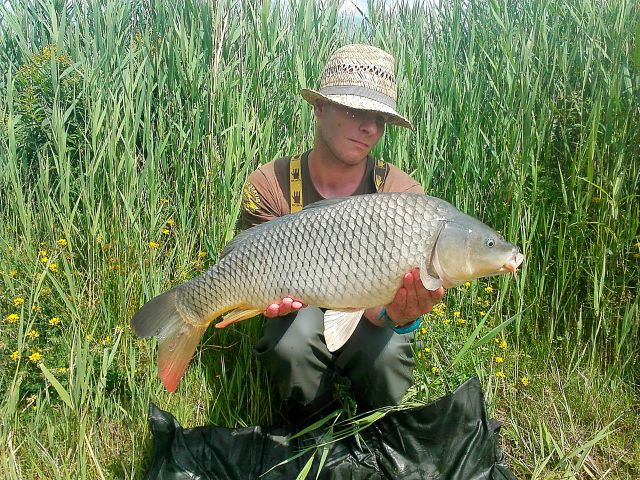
[(237, 315), (429, 281), (339, 326)]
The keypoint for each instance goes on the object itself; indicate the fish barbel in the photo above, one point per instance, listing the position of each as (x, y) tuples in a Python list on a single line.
[(344, 254)]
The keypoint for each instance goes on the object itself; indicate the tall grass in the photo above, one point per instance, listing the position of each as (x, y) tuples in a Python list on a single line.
[(147, 116)]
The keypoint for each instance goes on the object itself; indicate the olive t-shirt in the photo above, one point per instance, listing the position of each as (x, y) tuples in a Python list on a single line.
[(266, 192)]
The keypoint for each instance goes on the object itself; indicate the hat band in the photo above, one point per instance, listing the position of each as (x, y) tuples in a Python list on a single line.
[(361, 92)]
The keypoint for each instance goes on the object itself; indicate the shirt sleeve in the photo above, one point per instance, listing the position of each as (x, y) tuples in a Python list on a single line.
[(262, 199), (399, 181)]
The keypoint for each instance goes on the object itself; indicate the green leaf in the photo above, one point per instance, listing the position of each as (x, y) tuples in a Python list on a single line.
[(64, 395), (635, 55)]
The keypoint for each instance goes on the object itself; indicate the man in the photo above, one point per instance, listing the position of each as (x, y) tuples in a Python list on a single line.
[(356, 100)]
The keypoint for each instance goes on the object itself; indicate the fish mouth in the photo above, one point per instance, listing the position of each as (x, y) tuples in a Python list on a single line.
[(513, 263)]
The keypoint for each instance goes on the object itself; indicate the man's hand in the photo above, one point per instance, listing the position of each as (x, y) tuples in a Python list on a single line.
[(411, 301), (284, 307)]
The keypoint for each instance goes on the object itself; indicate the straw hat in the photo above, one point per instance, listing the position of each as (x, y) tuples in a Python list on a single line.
[(361, 77)]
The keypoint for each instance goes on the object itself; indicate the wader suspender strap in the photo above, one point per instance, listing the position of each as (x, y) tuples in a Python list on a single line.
[(380, 172), (295, 184)]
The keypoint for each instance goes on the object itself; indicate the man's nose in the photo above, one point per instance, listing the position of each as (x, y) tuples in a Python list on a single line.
[(369, 124)]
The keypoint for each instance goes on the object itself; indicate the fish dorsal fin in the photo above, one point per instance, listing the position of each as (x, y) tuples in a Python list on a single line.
[(235, 241), (245, 234), (339, 326), (327, 202)]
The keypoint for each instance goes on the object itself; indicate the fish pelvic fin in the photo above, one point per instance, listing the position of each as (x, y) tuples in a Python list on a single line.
[(339, 326), (241, 312)]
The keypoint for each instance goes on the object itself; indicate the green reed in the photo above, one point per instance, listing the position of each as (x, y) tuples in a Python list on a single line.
[(128, 128)]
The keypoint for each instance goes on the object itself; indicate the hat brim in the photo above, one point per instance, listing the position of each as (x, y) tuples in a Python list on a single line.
[(360, 103)]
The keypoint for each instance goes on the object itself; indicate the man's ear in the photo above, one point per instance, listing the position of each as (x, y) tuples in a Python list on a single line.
[(318, 107)]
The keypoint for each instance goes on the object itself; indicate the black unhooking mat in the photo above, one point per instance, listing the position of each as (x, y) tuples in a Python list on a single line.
[(448, 439)]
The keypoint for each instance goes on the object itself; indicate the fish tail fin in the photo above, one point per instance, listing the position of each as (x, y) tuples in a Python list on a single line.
[(178, 336)]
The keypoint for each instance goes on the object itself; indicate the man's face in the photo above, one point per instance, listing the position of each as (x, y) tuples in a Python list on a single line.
[(349, 134)]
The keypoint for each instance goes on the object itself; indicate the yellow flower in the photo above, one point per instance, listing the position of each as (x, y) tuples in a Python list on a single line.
[(524, 381), (35, 356), (462, 321), (435, 369), (488, 289), (467, 284), (503, 345), (486, 303), (118, 329), (427, 349), (18, 301), (165, 231), (62, 370), (500, 374), (423, 330), (62, 242), (171, 222), (456, 314), (106, 340), (53, 267), (36, 308), (202, 254), (499, 359), (44, 259), (164, 200), (33, 334), (153, 245), (419, 354), (13, 273), (15, 356), (54, 321), (482, 314), (13, 317), (42, 253), (446, 321)]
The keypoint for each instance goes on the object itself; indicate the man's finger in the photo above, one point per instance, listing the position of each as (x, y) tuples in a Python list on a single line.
[(272, 310), (433, 297), (408, 280), (400, 300)]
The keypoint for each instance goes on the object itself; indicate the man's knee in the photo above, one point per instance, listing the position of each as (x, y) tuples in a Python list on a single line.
[(398, 350), (292, 337)]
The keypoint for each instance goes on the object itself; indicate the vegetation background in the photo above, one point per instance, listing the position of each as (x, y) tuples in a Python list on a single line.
[(128, 128)]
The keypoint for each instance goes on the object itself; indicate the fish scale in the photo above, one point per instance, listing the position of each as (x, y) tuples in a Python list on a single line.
[(341, 254)]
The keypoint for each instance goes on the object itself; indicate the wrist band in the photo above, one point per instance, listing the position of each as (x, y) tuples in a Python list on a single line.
[(406, 329)]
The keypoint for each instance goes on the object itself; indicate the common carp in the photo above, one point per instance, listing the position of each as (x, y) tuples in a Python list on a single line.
[(343, 254)]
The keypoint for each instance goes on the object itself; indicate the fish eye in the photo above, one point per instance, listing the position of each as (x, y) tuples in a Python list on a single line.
[(491, 242)]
